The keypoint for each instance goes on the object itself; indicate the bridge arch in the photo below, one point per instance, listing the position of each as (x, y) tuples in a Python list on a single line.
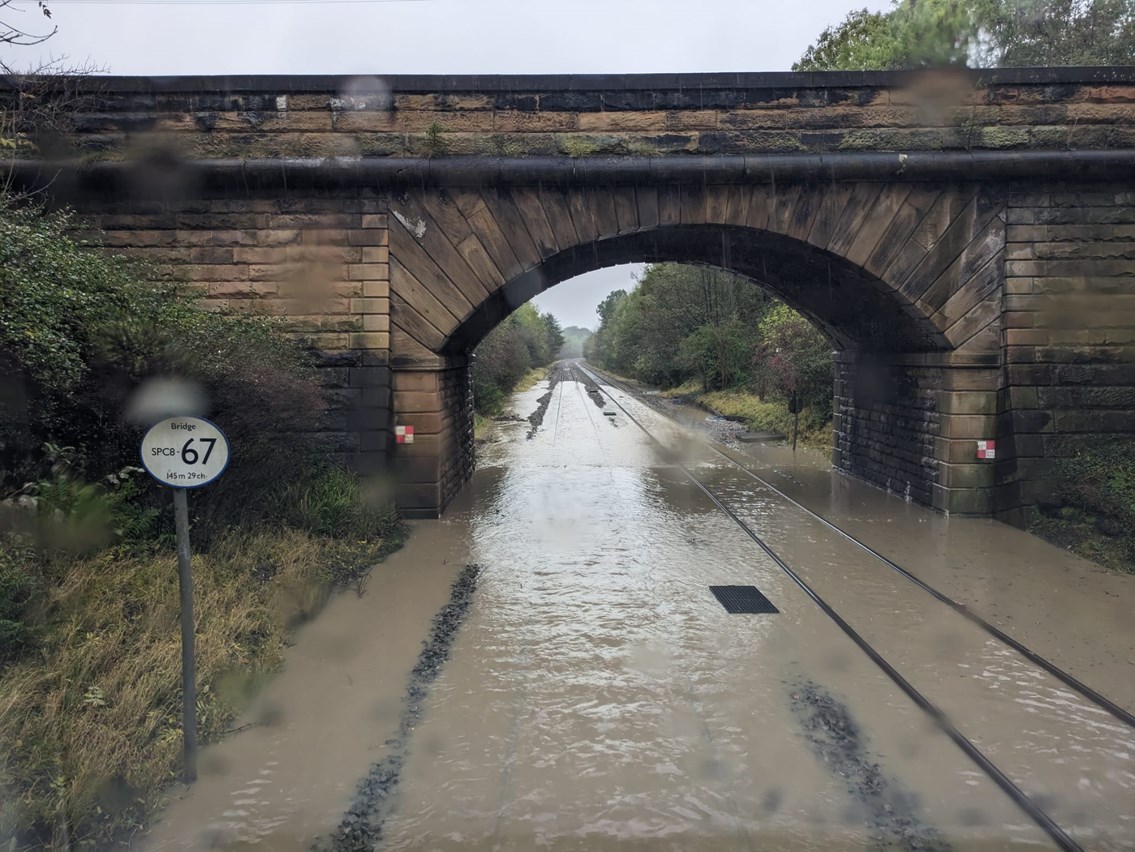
[(905, 279), (853, 308)]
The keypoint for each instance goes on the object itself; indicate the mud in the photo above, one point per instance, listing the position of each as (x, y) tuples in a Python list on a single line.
[(361, 827), (891, 812)]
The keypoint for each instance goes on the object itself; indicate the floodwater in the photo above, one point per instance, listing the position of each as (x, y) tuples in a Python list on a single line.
[(596, 696)]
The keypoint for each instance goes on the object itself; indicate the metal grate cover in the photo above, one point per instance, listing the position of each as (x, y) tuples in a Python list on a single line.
[(742, 599)]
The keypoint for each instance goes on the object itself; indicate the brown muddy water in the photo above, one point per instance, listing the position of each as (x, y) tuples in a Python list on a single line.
[(546, 668)]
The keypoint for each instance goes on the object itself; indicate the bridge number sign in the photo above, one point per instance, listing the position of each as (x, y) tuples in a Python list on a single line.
[(185, 452)]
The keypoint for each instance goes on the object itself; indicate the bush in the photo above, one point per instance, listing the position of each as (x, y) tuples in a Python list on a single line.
[(524, 341), (89, 722), (1093, 507), (335, 503), (80, 330), (19, 584), (1101, 481)]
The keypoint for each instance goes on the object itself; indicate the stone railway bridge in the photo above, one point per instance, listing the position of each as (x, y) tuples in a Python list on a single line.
[(966, 241)]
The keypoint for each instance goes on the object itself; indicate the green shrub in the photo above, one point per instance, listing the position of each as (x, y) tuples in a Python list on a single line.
[(80, 330), (523, 342), (1102, 481), (1092, 510), (336, 503), (771, 415), (88, 723), (20, 583)]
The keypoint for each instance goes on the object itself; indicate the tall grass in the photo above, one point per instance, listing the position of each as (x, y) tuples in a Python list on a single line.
[(768, 415), (90, 726), (90, 717), (337, 503)]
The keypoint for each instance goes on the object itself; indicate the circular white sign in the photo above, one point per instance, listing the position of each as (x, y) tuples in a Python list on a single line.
[(185, 452)]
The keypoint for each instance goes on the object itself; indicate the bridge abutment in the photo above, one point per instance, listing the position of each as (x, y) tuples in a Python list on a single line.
[(910, 423), (437, 404)]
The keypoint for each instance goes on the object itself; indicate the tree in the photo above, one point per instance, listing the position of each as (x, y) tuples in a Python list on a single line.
[(718, 354), (798, 360), (606, 308), (18, 36), (37, 104), (978, 33), (1066, 32), (575, 337), (525, 340), (684, 323), (642, 332), (597, 348), (553, 334)]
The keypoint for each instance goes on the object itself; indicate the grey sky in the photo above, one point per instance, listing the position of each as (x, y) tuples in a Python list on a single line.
[(171, 37), (574, 301)]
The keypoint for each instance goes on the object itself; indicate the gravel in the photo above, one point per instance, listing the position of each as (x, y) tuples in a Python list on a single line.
[(361, 826), (536, 418), (890, 812)]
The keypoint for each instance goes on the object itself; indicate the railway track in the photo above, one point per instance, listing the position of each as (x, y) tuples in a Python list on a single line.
[(1026, 803), (1069, 680)]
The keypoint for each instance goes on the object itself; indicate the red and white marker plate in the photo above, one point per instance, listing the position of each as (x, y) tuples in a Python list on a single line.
[(987, 449), (403, 434)]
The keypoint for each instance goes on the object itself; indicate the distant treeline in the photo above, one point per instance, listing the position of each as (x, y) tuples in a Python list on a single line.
[(574, 339), (525, 341), (717, 332)]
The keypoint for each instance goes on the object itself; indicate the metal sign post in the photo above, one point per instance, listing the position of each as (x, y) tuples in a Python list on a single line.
[(183, 453), (188, 644)]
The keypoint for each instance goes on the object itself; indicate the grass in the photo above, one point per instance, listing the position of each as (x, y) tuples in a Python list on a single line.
[(90, 720), (767, 415), (1092, 509), (481, 426), (1078, 531), (687, 390), (532, 378)]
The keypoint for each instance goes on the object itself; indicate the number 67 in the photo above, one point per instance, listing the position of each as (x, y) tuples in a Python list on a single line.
[(190, 455)]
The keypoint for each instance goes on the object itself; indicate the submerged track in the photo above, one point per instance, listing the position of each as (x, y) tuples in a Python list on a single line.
[(1069, 680), (1058, 835)]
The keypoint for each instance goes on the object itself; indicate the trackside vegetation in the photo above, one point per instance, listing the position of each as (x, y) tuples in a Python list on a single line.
[(1092, 512), (720, 341), (89, 643), (977, 34), (518, 349)]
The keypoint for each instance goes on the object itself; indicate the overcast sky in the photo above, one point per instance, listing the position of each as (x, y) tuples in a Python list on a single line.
[(374, 37)]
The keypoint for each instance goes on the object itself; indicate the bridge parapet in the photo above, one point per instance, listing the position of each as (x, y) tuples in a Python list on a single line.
[(217, 118)]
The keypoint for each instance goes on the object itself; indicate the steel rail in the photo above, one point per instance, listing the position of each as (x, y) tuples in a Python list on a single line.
[(1060, 837), (1069, 680)]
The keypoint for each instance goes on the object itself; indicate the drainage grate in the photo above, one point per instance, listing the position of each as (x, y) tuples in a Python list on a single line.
[(743, 599)]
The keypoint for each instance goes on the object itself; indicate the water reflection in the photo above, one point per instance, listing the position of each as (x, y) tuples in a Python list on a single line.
[(600, 698)]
